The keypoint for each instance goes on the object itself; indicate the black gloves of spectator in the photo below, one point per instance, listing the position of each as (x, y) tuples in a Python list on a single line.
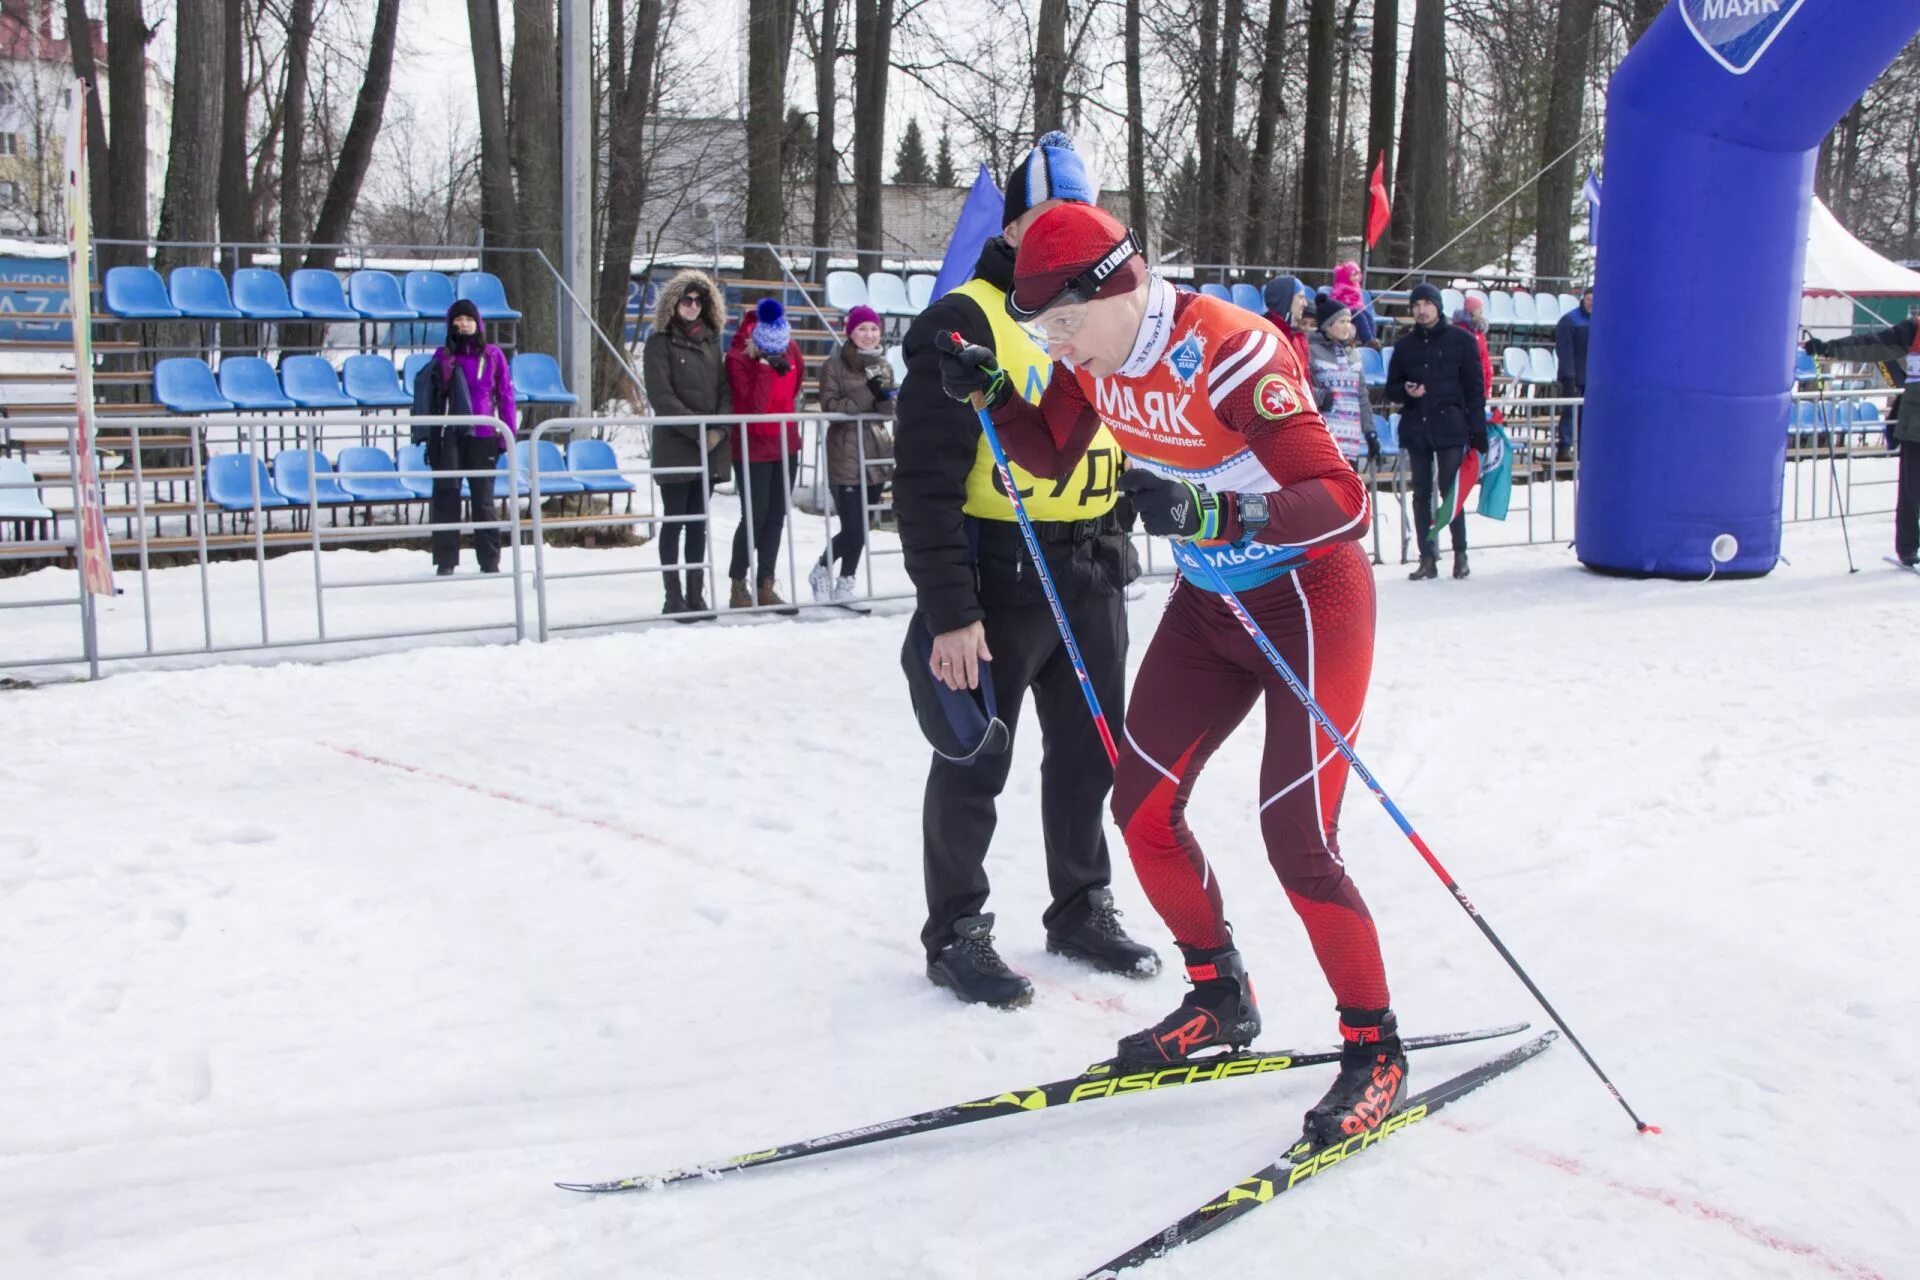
[(880, 378), (779, 364), (1477, 437), (1816, 347), (1373, 448), (1172, 508), (966, 369)]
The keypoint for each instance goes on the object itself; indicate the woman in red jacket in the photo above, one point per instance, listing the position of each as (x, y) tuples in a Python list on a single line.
[(766, 372)]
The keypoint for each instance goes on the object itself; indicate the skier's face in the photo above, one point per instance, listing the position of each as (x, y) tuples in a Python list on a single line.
[(1094, 336)]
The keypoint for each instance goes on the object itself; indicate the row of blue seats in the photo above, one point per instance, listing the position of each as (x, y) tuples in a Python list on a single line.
[(185, 384), (200, 293), (1852, 414), (366, 474)]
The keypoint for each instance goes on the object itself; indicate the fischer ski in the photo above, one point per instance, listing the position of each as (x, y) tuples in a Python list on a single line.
[(1305, 1162), (1101, 1080)]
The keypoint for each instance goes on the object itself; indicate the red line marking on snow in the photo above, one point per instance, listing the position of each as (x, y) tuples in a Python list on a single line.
[(1685, 1204)]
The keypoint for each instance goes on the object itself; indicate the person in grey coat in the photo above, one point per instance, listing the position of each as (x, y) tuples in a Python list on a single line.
[(855, 379), (684, 364), (1898, 347)]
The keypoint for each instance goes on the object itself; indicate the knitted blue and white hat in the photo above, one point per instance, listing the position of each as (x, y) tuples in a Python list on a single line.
[(771, 333), (1053, 170)]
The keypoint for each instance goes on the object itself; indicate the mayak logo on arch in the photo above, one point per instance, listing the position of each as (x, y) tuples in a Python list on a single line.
[(1736, 32)]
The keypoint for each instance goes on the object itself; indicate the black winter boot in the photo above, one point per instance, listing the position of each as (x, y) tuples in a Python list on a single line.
[(696, 594), (1371, 1083), (1429, 568), (1219, 1011), (970, 967), (1460, 569), (675, 603), (1095, 936)]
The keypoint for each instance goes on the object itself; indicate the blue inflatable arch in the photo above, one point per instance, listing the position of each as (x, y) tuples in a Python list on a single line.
[(1714, 123)]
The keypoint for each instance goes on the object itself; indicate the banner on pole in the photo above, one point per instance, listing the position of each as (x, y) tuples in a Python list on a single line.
[(96, 562)]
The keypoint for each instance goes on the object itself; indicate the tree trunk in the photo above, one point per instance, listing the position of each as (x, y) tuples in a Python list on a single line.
[(1847, 168), (236, 198), (1316, 180), (1265, 134), (356, 153), (1220, 200), (499, 220), (1566, 99), (1641, 16), (293, 131), (826, 161), (1429, 75), (1207, 115), (626, 192), (1380, 98), (1050, 67), (769, 40), (188, 208), (872, 50), (1342, 122), (1400, 228), (99, 193), (533, 140), (1137, 132)]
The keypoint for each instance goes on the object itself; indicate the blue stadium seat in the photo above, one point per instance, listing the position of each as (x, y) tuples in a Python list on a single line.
[(1543, 367), (137, 293), (262, 295), (319, 296), (536, 380), (201, 294), (1373, 367), (1451, 300), (186, 385), (415, 363), (251, 383), (20, 504), (1500, 312), (553, 469), (311, 383), (1219, 291), (887, 294), (595, 455), (429, 293), (372, 381), (920, 290), (1523, 311), (376, 296), (412, 457), (1515, 364), (293, 473), (1804, 369), (485, 291), (383, 486), (1388, 429), (1246, 296), (232, 479), (846, 290)]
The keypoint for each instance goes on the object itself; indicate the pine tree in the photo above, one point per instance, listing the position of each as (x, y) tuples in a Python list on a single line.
[(943, 160), (910, 167)]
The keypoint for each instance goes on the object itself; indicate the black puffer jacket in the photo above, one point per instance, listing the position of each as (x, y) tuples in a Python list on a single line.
[(1446, 361)]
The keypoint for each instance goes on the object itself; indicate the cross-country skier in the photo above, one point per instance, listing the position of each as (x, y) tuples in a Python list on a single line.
[(1233, 463)]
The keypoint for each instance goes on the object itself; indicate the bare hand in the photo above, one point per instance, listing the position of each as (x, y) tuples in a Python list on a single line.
[(1416, 389), (957, 656)]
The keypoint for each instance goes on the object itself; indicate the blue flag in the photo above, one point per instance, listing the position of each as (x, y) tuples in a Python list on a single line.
[(1591, 190), (979, 222), (1496, 475)]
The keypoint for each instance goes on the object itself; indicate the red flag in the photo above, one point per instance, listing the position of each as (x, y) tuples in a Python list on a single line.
[(1456, 499), (1379, 204)]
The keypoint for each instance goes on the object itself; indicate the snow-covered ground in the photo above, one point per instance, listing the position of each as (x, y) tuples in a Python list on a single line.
[(329, 970)]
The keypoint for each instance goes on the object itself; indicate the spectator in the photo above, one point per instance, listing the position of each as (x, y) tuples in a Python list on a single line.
[(766, 371), (1570, 346), (467, 375), (855, 379), (1347, 290), (1338, 390), (686, 376), (1899, 344), (1472, 316), (1287, 301), (1435, 373)]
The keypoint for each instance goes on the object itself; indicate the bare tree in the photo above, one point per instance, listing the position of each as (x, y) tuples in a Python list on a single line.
[(236, 200), (499, 219), (626, 189), (534, 143), (872, 61), (99, 192), (187, 210), (336, 210), (1380, 97), (826, 158), (1566, 90), (1266, 131), (1316, 164), (1427, 78), (1050, 67), (1207, 106), (1137, 128), (293, 128)]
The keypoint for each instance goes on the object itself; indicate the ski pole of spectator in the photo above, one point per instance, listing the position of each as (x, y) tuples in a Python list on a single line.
[(1833, 465), (1215, 582)]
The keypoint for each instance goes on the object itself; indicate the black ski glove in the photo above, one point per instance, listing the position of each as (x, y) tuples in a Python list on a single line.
[(966, 368), (1373, 448), (778, 363), (1478, 438), (1816, 346), (1172, 508), (880, 379)]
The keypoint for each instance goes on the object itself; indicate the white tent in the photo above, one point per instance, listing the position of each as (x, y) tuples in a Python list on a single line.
[(1840, 269)]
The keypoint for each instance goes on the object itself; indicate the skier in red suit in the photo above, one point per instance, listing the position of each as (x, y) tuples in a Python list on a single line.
[(1233, 463)]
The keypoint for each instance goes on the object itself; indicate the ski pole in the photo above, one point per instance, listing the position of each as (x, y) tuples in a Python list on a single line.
[(1039, 562), (1833, 469), (1218, 583)]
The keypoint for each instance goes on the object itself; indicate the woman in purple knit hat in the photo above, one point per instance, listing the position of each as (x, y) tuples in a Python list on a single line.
[(467, 376)]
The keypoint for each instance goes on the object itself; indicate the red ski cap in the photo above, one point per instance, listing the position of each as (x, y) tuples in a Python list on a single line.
[(1073, 253)]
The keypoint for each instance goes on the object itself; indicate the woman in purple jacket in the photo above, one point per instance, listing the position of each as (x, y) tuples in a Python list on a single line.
[(468, 375)]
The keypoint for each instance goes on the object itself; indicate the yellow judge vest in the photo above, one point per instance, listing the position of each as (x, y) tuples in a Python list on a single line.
[(1089, 490)]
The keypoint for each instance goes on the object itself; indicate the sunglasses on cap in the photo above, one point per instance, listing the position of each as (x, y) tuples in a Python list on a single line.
[(1085, 286)]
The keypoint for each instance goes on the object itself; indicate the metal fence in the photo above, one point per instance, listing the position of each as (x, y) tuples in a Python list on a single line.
[(1836, 462)]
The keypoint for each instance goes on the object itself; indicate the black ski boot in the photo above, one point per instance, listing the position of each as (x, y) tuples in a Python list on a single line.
[(1096, 937), (1460, 569), (1429, 568), (1219, 1011), (970, 967), (1372, 1080)]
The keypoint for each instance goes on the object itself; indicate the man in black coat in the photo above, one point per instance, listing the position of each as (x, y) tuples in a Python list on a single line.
[(987, 620), (1435, 374)]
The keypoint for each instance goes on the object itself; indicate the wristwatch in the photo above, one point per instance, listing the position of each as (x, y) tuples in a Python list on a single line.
[(1253, 513)]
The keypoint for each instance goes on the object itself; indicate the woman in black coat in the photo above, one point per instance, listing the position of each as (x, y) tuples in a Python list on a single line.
[(1435, 374), (684, 365)]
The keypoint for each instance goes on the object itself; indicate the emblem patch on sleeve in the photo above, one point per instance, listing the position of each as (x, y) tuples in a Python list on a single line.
[(1274, 399)]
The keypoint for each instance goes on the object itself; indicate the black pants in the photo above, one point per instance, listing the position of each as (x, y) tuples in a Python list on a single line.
[(462, 451), (763, 505), (958, 818), (683, 498), (1906, 507), (1424, 462), (851, 504)]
